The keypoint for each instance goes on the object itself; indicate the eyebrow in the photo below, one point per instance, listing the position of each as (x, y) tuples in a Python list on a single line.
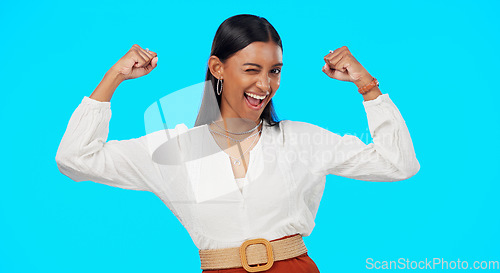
[(259, 66)]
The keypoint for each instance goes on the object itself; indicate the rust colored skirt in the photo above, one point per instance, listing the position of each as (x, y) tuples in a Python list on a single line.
[(302, 263)]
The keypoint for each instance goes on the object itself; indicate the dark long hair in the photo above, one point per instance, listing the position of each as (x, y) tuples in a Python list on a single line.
[(234, 34)]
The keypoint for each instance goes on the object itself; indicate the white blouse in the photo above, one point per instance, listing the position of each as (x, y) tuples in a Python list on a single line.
[(188, 171), (240, 182)]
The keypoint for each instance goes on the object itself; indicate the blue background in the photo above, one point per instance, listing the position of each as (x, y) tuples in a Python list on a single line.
[(436, 59)]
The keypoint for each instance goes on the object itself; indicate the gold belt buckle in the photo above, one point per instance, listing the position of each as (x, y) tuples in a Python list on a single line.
[(257, 268)]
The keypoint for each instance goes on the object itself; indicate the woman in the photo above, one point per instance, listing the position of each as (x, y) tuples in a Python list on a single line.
[(251, 216)]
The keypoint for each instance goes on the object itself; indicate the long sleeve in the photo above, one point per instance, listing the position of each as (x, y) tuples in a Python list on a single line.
[(390, 157), (84, 154)]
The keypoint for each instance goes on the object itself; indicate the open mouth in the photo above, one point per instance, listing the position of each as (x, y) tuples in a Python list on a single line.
[(254, 101)]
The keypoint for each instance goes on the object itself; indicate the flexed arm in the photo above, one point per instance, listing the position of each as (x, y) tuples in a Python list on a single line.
[(391, 156), (84, 152)]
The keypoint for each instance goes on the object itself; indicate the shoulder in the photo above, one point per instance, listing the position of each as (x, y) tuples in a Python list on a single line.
[(293, 127), (172, 141), (160, 136), (293, 132)]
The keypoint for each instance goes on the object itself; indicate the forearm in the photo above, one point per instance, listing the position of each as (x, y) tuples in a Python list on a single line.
[(104, 91), (372, 93)]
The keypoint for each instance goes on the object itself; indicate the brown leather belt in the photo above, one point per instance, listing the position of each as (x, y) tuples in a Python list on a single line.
[(253, 252)]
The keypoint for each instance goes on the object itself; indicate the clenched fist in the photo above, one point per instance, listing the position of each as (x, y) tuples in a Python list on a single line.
[(136, 63), (341, 65)]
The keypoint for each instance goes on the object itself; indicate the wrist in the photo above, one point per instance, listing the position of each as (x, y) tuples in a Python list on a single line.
[(371, 93), (115, 76), (363, 80)]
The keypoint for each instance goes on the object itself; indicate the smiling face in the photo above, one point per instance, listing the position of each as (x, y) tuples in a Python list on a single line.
[(254, 71)]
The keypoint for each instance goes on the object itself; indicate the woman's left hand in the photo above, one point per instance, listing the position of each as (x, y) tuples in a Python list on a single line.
[(341, 65)]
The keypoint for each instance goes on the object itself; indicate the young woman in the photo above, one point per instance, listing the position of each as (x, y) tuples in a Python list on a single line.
[(245, 185)]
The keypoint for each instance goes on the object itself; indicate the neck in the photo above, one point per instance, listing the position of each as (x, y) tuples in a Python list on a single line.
[(236, 123)]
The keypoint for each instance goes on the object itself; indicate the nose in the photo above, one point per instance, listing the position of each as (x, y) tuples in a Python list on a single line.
[(264, 83)]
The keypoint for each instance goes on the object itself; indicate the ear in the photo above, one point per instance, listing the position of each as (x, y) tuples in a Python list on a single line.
[(215, 66)]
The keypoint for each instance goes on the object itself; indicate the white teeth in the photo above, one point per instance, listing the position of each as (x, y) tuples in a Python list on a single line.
[(255, 96)]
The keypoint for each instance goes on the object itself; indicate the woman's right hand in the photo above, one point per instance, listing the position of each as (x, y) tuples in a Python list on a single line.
[(136, 63)]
